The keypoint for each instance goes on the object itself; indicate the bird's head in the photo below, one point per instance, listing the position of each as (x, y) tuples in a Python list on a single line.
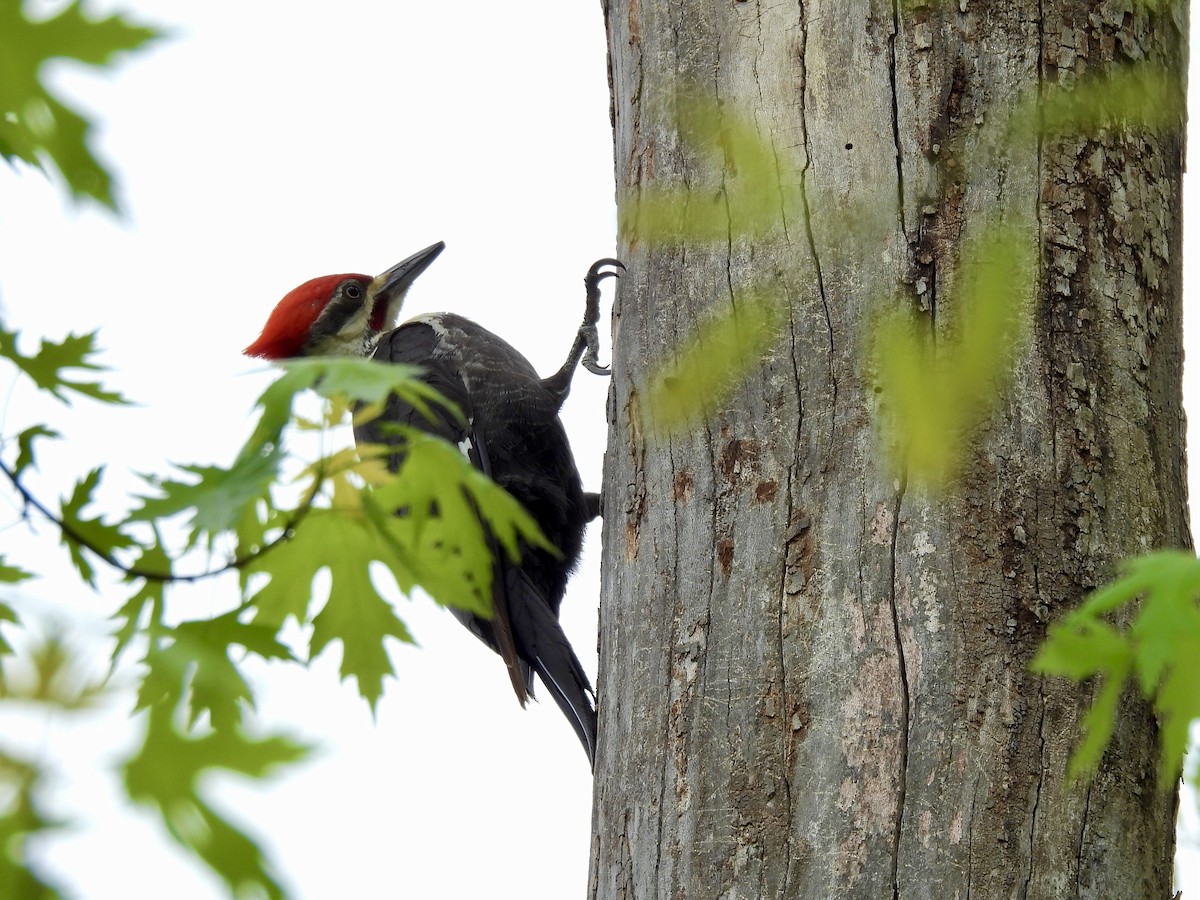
[(339, 315)]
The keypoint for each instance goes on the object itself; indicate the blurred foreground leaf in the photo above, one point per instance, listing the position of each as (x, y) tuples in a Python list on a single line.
[(758, 191), (35, 126), (711, 364), (47, 672), (1144, 96), (166, 772), (1160, 650), (937, 388), (21, 818)]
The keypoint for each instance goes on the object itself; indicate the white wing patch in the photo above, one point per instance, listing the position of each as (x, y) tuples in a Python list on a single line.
[(466, 445), (434, 321)]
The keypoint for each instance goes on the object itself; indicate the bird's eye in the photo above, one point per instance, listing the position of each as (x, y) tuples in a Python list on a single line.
[(354, 291)]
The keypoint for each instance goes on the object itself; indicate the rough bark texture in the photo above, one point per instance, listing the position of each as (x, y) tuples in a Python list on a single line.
[(814, 682)]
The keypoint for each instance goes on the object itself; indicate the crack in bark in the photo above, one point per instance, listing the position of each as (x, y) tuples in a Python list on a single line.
[(896, 116), (902, 666), (1037, 795), (668, 761), (784, 704), (971, 843), (808, 229), (1087, 805)]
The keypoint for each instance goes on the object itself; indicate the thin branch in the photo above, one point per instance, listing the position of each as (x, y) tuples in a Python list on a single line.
[(132, 571)]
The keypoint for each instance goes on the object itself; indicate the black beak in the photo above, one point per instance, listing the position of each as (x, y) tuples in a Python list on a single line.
[(396, 280)]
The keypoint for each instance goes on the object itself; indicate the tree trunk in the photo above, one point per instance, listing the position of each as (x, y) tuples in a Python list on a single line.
[(814, 681)]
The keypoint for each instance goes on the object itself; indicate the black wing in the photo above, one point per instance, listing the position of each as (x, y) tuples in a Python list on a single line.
[(415, 343), (512, 434)]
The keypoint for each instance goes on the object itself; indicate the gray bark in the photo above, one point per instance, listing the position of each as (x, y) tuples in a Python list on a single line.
[(813, 680)]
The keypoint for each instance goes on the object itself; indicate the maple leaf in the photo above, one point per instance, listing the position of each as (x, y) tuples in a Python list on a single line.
[(165, 774), (47, 368), (35, 126)]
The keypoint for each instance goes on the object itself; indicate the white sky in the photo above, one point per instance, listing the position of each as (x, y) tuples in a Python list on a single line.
[(261, 147)]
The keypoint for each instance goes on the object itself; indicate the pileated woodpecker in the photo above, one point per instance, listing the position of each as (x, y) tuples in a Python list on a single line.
[(512, 433)]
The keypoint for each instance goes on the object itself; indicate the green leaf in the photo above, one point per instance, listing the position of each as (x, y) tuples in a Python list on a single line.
[(709, 366), (48, 673), (1178, 703), (192, 659), (1160, 649), (47, 368), (35, 126), (165, 775), (749, 197), (217, 499), (25, 456), (1082, 648), (1098, 725), (935, 388), (360, 619), (1139, 96), (7, 614), (345, 542), (367, 382), (440, 539), (1166, 623), (447, 553), (79, 531), (22, 817), (12, 574), (149, 593)]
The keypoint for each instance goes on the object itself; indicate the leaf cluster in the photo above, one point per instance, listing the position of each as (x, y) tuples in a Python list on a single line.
[(38, 128), (344, 514), (1159, 650), (194, 697)]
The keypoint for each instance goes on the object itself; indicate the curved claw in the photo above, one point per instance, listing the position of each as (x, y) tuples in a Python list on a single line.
[(591, 281), (594, 271), (587, 339), (591, 356)]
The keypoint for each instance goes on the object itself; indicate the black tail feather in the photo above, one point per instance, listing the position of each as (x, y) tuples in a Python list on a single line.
[(541, 641)]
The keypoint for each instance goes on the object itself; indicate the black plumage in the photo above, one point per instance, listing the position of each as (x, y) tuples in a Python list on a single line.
[(513, 434), (510, 431)]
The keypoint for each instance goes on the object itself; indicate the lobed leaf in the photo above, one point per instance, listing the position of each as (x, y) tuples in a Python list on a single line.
[(1160, 649), (25, 455), (35, 126), (345, 542), (423, 525), (52, 360), (165, 773), (217, 499), (98, 535), (191, 662)]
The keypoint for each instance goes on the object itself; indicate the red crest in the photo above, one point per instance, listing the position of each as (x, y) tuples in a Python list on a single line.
[(287, 328)]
